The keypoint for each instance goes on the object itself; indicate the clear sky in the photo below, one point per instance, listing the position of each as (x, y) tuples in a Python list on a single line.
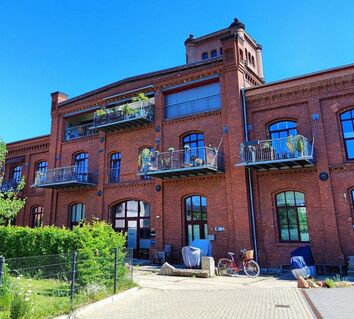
[(75, 46)]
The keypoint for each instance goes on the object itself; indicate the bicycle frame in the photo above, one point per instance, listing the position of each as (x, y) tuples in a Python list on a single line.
[(237, 265)]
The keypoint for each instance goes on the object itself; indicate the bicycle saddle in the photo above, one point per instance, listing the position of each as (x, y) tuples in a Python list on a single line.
[(231, 254)]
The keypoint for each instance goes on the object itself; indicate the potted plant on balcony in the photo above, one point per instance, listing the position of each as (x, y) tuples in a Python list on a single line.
[(299, 145), (144, 160), (128, 111), (290, 144), (187, 156), (198, 162), (267, 151), (140, 97)]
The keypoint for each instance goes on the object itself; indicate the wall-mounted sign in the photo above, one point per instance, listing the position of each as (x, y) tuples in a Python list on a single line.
[(211, 237), (219, 228)]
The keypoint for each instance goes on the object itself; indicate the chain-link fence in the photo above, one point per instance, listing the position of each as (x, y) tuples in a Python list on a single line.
[(50, 285)]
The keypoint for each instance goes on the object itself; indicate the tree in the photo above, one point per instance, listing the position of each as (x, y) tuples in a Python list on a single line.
[(10, 203)]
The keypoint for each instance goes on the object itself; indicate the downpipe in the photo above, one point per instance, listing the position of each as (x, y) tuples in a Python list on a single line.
[(249, 179)]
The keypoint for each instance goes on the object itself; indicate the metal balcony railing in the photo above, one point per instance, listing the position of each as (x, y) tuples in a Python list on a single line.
[(125, 116), (9, 185), (292, 151), (182, 163), (79, 131), (63, 177)]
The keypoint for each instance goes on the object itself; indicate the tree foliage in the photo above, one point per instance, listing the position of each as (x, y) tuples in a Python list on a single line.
[(10, 202)]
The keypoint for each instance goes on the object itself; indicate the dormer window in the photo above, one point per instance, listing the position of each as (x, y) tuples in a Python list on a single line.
[(205, 56)]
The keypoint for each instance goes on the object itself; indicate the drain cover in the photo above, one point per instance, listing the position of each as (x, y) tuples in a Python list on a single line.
[(282, 306)]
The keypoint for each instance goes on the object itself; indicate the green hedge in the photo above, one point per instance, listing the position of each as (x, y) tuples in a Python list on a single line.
[(24, 241), (94, 244)]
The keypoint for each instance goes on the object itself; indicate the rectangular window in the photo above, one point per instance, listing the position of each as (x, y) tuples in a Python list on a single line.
[(205, 56), (214, 53), (193, 101)]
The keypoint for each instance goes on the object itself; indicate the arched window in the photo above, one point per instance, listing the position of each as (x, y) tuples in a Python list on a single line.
[(193, 146), (196, 218), (40, 171), (37, 216), (282, 129), (16, 173), (81, 163), (292, 217), (133, 217), (246, 54), (241, 55), (42, 166), (77, 214), (114, 168), (347, 121), (253, 61)]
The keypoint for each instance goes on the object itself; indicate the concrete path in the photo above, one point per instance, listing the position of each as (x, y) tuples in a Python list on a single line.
[(219, 297), (333, 303)]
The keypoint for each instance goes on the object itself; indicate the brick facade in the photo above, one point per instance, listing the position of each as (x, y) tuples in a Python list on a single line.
[(325, 94)]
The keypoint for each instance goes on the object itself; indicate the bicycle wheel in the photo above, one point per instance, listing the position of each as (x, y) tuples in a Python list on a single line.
[(223, 265), (251, 269)]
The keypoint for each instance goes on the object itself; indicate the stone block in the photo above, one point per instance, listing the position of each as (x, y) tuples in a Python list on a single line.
[(208, 264), (167, 269)]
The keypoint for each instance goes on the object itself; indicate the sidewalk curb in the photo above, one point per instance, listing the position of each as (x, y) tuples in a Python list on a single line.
[(311, 304), (100, 303)]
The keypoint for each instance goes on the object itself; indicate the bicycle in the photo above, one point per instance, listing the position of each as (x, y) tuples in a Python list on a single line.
[(230, 267)]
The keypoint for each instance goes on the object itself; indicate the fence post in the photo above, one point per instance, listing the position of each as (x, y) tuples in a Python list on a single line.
[(2, 262), (73, 276), (115, 269)]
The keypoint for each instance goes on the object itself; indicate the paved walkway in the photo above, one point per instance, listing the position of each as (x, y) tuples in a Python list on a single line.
[(333, 303), (219, 297)]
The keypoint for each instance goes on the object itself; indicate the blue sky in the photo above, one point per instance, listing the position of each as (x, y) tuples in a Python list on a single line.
[(76, 46)]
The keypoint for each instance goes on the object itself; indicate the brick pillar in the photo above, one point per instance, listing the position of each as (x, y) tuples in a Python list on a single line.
[(332, 251), (236, 187), (53, 156)]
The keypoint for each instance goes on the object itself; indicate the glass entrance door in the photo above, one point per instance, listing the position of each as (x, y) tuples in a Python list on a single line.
[(133, 217)]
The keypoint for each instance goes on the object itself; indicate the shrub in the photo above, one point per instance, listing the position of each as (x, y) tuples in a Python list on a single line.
[(94, 243), (330, 283)]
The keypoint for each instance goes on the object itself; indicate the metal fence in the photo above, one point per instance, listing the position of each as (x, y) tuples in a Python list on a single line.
[(290, 147), (58, 284), (64, 175), (186, 158)]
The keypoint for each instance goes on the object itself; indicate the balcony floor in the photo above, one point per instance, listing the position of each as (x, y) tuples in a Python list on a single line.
[(184, 172), (281, 164), (66, 184), (122, 124)]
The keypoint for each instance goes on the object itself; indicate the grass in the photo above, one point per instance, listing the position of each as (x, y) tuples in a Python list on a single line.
[(51, 297)]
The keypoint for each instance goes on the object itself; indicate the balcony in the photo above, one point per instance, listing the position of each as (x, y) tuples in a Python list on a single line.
[(124, 117), (64, 177), (283, 153), (79, 131), (9, 185), (182, 163)]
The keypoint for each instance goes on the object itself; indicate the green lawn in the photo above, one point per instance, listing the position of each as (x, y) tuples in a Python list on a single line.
[(51, 297)]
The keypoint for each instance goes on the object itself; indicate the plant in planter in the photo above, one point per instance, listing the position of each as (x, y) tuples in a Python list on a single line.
[(299, 145), (140, 97), (144, 160), (128, 111), (267, 151), (101, 112), (290, 144), (198, 161)]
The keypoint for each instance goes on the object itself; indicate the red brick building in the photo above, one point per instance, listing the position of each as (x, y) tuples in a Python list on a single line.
[(209, 151)]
